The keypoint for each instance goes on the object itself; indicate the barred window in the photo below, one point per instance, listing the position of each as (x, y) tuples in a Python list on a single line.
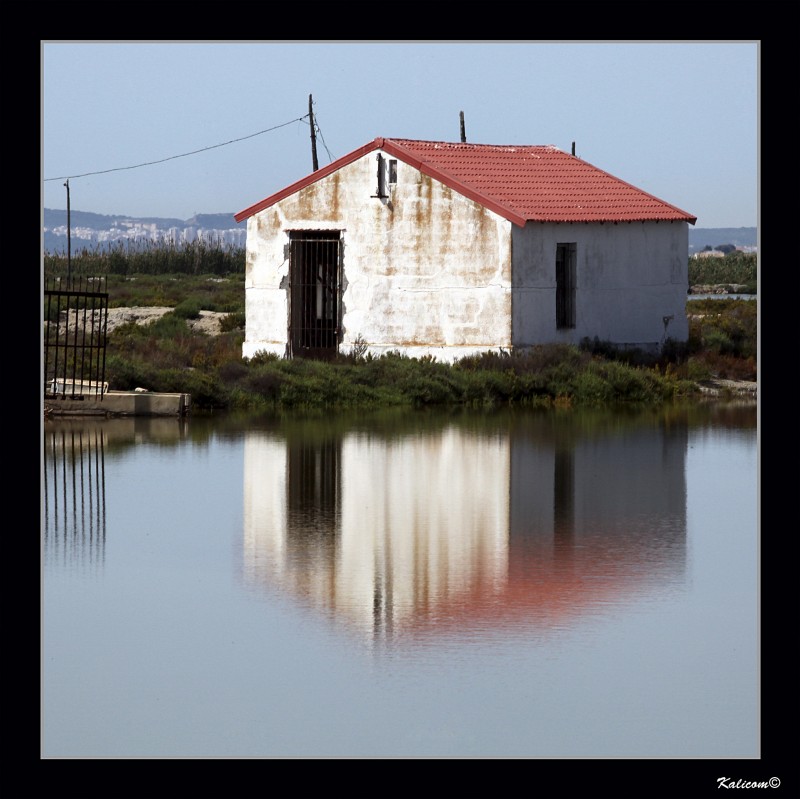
[(565, 285)]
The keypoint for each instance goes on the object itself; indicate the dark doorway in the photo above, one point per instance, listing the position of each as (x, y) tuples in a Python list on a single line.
[(315, 294)]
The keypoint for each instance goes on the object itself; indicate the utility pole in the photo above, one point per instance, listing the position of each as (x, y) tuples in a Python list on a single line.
[(69, 247), (463, 129), (313, 135)]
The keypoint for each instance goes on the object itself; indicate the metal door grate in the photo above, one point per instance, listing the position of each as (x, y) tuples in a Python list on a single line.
[(315, 295), (75, 326)]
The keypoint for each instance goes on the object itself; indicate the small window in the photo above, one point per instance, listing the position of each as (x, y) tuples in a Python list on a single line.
[(380, 191), (565, 285), (393, 171)]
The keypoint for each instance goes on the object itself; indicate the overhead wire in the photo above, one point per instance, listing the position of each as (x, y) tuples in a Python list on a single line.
[(182, 155)]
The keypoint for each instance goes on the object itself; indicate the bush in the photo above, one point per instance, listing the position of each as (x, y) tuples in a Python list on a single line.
[(151, 258), (735, 268), (233, 321), (188, 309)]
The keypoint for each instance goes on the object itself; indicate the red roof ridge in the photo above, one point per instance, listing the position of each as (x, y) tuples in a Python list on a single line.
[(506, 187)]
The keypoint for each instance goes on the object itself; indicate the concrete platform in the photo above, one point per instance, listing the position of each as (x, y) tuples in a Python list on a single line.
[(119, 403)]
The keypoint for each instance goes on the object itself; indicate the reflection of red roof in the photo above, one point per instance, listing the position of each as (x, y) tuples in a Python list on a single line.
[(543, 599), (548, 588), (519, 182)]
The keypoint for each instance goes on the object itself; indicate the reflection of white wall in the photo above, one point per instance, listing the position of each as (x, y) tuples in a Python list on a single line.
[(264, 504), (424, 520)]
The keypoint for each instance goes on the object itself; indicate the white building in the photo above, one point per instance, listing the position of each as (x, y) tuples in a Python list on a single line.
[(450, 249)]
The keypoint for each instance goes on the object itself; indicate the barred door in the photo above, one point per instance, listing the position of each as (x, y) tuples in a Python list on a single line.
[(315, 293)]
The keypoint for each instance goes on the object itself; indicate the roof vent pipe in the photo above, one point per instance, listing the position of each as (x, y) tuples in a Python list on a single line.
[(573, 148), (463, 129)]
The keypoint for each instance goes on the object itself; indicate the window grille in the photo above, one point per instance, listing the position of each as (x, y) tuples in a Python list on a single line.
[(565, 285)]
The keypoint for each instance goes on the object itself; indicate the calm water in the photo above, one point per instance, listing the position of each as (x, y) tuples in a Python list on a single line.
[(403, 585)]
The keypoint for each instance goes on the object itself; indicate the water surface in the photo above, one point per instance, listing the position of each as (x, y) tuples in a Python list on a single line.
[(402, 585)]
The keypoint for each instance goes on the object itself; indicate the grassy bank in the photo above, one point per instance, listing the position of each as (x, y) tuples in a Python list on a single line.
[(168, 356), (165, 356)]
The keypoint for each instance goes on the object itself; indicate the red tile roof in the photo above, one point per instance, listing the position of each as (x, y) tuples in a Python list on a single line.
[(519, 182)]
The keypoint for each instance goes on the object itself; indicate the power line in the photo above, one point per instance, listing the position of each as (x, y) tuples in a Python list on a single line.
[(182, 155)]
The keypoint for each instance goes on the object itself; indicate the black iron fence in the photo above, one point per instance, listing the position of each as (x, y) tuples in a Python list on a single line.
[(75, 326)]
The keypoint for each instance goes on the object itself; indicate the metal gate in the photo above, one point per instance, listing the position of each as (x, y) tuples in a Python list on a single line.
[(315, 293), (75, 326)]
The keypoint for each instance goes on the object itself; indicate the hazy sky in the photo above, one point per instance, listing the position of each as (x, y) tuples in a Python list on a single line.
[(677, 119)]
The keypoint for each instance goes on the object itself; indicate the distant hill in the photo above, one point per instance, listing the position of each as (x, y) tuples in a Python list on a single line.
[(102, 231), (57, 218), (700, 238)]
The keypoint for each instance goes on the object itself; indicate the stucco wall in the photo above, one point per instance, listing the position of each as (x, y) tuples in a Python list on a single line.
[(426, 271), (630, 276)]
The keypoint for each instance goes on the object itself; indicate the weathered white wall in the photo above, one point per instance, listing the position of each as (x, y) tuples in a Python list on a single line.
[(427, 539), (426, 271), (629, 277)]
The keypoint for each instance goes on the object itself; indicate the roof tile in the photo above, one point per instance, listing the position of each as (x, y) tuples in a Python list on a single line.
[(522, 183), (541, 183)]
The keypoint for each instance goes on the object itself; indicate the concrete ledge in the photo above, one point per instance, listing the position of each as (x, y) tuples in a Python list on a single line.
[(120, 403)]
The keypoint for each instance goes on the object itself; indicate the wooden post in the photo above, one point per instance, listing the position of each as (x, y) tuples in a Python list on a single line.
[(69, 245), (313, 135)]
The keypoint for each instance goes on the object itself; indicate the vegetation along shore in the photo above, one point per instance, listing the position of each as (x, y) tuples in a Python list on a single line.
[(184, 328)]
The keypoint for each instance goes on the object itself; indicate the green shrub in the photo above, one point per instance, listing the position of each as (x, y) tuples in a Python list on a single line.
[(233, 321), (736, 267), (188, 309), (126, 374), (150, 258), (718, 340)]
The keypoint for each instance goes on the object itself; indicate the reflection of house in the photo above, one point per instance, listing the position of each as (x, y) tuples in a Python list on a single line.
[(454, 248), (528, 525)]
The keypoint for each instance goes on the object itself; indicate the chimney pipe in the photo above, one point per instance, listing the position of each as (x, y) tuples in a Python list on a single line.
[(463, 129)]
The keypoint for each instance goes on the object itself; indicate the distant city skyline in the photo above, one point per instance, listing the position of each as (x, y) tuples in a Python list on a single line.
[(122, 228), (676, 119)]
